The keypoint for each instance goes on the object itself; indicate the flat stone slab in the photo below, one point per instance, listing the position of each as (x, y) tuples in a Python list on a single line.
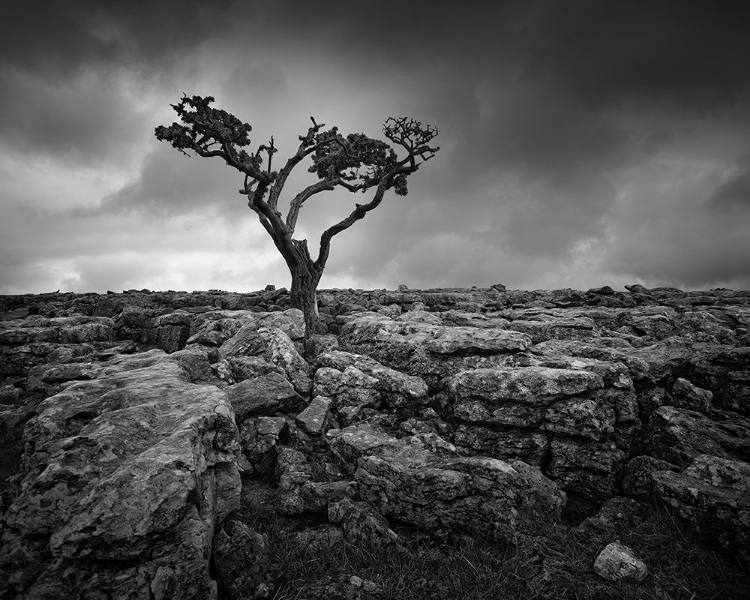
[(433, 338), (402, 479), (429, 350), (520, 396), (61, 330), (265, 395)]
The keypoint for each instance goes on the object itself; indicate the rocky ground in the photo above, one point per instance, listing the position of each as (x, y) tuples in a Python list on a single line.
[(138, 428)]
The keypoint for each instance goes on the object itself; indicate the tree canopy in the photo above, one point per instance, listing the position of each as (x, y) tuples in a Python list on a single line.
[(354, 162)]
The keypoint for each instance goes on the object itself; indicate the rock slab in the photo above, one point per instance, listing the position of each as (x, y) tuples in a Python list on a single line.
[(126, 477), (444, 495)]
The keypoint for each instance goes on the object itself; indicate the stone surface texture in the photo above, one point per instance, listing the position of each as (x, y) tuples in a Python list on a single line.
[(437, 493), (135, 467), (713, 494), (617, 562), (140, 430)]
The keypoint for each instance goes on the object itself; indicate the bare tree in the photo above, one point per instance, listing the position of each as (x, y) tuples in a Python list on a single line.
[(354, 162)]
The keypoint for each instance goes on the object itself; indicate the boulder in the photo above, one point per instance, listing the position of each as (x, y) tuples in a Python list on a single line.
[(617, 515), (523, 385), (723, 369), (353, 381), (443, 495), (213, 328), (663, 361), (196, 361), (264, 395), (430, 351), (281, 351), (259, 438), (292, 472), (587, 468), (713, 495), (637, 480), (246, 341), (636, 288), (316, 418), (49, 378), (581, 328), (362, 524), (275, 347), (170, 332), (351, 391), (607, 352), (617, 562), (679, 435), (516, 397), (583, 417), (604, 291), (653, 326), (236, 369), (9, 395), (649, 400), (686, 395), (563, 420), (60, 330), (705, 326), (17, 361), (126, 476), (532, 447), (222, 325), (134, 321), (298, 492), (490, 320), (35, 341)]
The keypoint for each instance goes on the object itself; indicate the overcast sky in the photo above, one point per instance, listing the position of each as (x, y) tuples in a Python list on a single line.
[(582, 143)]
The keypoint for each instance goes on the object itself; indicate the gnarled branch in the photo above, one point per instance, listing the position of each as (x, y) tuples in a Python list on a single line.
[(354, 162)]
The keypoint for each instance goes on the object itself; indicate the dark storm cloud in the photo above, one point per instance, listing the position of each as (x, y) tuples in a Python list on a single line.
[(548, 112), (58, 39), (89, 121), (62, 67), (599, 50), (557, 78), (597, 53), (734, 193), (688, 52), (536, 90), (543, 51), (666, 232)]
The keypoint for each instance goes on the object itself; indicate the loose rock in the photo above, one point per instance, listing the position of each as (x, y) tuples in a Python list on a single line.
[(617, 562)]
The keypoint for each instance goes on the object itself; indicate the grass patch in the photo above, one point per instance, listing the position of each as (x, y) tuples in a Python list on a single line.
[(550, 562)]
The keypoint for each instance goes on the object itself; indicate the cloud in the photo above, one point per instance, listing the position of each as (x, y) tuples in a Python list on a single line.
[(95, 252), (171, 183), (734, 193), (582, 143), (89, 120), (679, 239), (256, 83), (58, 40), (607, 52)]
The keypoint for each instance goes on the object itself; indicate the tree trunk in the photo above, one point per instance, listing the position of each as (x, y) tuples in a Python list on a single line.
[(304, 285)]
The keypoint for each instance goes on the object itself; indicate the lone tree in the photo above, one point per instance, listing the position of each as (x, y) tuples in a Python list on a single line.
[(355, 162)]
